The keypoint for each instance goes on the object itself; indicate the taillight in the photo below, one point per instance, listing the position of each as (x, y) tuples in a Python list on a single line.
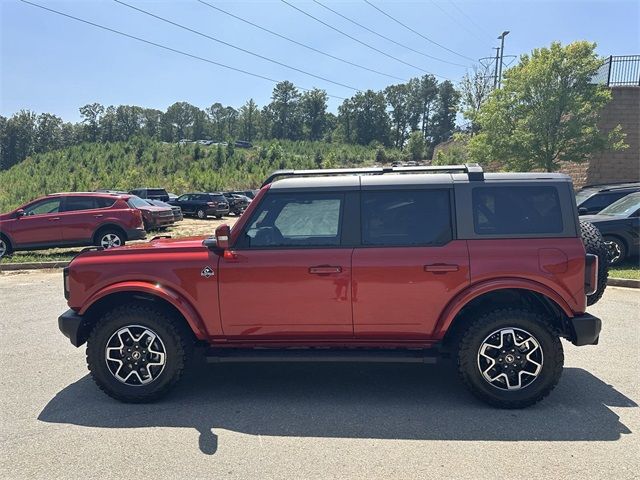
[(65, 282), (138, 214)]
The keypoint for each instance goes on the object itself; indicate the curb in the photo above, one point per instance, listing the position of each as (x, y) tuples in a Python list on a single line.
[(7, 267), (623, 282)]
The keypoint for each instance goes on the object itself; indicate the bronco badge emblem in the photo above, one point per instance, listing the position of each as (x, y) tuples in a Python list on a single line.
[(207, 272)]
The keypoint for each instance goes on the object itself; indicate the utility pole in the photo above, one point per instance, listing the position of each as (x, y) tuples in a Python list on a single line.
[(495, 74), (501, 37)]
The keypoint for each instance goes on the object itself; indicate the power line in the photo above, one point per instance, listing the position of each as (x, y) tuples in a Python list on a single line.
[(300, 43), (416, 32), (385, 37), (359, 41), (455, 19), (249, 52), (164, 47), (471, 20)]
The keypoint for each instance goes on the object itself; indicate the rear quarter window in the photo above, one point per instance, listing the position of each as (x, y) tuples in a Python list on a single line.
[(517, 210)]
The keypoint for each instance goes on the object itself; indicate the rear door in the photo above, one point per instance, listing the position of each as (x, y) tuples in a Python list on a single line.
[(409, 265), (79, 217), (290, 273), (40, 224)]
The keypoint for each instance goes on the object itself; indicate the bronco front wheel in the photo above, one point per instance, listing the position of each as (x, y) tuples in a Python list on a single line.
[(510, 358), (137, 352)]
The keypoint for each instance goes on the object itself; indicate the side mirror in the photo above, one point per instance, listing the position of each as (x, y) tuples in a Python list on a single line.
[(19, 213), (223, 232), (582, 211)]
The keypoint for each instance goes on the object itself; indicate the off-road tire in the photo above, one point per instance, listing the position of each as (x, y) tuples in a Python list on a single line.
[(475, 333), (594, 244), (176, 338)]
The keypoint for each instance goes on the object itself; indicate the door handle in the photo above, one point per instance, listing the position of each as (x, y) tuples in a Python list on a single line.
[(54, 219), (441, 268), (324, 269), (99, 215)]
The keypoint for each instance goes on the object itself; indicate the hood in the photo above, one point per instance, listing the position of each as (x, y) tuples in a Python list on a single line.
[(154, 246), (599, 218)]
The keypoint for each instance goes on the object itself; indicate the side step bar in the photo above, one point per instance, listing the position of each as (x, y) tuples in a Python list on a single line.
[(229, 355)]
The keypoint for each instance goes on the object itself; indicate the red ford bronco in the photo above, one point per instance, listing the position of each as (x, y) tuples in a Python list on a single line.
[(400, 264)]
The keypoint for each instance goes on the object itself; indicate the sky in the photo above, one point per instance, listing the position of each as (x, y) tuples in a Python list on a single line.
[(50, 63)]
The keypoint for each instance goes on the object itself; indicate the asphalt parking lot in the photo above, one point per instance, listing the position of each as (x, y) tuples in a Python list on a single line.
[(308, 421)]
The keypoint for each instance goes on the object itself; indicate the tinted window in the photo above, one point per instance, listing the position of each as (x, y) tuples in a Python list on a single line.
[(137, 202), (105, 202), (45, 206), (184, 198), (406, 217), (601, 200), (73, 204), (300, 220), (516, 210), (217, 198)]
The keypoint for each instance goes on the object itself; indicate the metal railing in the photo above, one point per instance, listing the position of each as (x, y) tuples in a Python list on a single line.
[(619, 71)]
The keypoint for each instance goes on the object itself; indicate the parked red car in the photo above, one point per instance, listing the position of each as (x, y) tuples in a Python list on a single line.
[(154, 217), (70, 220), (373, 264)]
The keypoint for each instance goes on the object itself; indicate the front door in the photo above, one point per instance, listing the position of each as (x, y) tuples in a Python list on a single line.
[(40, 224), (409, 266), (290, 276)]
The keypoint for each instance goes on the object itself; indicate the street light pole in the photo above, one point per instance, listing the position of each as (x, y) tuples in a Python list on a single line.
[(501, 37), (495, 74)]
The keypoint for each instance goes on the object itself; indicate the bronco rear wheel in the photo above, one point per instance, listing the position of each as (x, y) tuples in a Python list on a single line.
[(510, 358), (137, 352)]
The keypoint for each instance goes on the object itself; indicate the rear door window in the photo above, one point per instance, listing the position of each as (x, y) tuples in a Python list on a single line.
[(74, 204), (406, 217), (516, 210)]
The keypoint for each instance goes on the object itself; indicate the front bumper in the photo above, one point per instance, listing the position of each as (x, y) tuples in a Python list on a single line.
[(586, 329), (74, 327), (136, 233)]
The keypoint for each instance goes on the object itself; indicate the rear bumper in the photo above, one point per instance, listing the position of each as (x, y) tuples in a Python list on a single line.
[(73, 327), (136, 233), (586, 329), (218, 211)]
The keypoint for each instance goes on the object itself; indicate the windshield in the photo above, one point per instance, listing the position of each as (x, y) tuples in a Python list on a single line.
[(623, 207), (137, 202), (582, 195)]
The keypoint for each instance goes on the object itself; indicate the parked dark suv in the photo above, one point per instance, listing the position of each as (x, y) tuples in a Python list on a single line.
[(593, 199), (70, 220), (202, 205), (151, 194), (374, 264)]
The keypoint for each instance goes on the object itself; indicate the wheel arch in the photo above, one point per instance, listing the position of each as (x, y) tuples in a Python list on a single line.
[(481, 298), (142, 292), (108, 226), (5, 236)]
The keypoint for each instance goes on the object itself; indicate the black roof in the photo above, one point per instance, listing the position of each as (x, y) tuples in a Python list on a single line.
[(605, 187)]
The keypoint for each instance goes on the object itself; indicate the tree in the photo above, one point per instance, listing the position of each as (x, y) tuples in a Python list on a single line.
[(19, 135), (48, 134), (285, 112), (546, 111), (90, 114), (216, 115), (231, 120), (416, 145), (368, 119), (474, 91), (249, 120), (180, 116), (313, 110), (398, 98), (444, 118), (425, 94)]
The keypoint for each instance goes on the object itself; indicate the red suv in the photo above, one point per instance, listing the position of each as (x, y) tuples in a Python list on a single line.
[(378, 264), (70, 220)]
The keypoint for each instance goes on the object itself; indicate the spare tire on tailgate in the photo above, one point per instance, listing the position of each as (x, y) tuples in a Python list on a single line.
[(594, 243)]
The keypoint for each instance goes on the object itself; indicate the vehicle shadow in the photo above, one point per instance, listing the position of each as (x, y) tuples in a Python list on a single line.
[(385, 401)]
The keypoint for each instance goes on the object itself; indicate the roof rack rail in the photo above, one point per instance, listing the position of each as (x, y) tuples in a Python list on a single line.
[(473, 170)]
